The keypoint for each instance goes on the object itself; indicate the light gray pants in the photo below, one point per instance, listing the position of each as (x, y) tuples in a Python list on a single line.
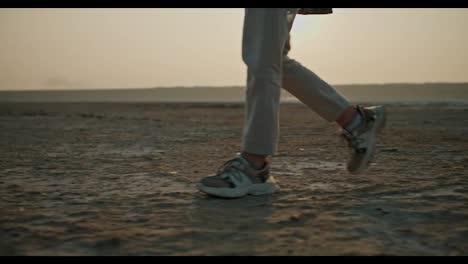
[(265, 47)]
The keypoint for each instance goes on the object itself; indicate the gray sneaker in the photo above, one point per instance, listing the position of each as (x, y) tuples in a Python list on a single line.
[(237, 178), (362, 140)]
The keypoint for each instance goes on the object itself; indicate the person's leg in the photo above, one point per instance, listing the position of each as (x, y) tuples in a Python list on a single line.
[(314, 92), (264, 35), (360, 124)]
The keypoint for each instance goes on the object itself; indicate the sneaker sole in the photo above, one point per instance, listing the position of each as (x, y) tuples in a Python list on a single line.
[(378, 127), (254, 189)]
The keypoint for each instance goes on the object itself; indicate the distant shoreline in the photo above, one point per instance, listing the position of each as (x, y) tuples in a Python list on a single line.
[(452, 93), (465, 84)]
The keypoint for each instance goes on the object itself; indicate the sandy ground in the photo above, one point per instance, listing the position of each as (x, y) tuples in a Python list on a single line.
[(120, 179)]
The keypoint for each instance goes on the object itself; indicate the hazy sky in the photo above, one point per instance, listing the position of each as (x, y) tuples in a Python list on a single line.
[(124, 48)]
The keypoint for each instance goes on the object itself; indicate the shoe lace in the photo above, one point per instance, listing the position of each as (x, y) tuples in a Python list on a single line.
[(354, 141), (229, 168)]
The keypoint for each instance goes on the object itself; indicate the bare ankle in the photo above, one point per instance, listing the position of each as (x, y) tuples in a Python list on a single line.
[(346, 117), (257, 161)]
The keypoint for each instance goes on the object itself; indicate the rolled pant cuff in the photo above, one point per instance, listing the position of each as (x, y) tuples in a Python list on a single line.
[(259, 148)]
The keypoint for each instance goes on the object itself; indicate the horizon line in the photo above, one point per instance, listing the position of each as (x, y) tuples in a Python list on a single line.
[(220, 86)]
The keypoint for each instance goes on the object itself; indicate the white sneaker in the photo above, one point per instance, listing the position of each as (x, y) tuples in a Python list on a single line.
[(237, 178), (362, 140)]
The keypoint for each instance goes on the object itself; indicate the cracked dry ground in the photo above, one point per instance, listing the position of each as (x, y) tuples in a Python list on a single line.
[(120, 179)]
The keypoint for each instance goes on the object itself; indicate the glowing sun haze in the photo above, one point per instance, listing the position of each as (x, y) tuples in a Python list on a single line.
[(127, 48)]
